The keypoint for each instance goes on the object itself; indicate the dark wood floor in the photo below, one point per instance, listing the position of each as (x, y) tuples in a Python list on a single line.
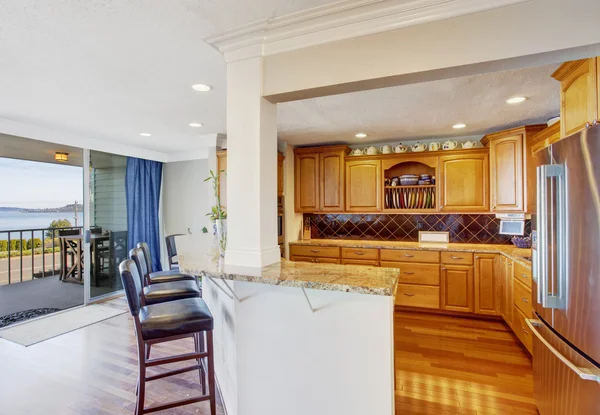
[(444, 365), (448, 365)]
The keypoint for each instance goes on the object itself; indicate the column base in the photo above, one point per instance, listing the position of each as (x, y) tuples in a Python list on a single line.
[(253, 257)]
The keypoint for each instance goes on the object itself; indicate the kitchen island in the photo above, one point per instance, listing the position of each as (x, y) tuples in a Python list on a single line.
[(299, 338)]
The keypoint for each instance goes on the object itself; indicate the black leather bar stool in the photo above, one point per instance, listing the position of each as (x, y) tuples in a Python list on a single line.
[(172, 252), (164, 322), (167, 291), (160, 276)]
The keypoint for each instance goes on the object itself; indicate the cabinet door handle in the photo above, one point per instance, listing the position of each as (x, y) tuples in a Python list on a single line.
[(315, 251), (443, 269), (409, 294), (524, 331), (409, 256), (456, 257), (408, 273), (359, 253), (525, 300), (524, 276)]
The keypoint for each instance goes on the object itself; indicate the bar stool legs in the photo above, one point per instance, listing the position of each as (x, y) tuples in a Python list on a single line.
[(206, 375)]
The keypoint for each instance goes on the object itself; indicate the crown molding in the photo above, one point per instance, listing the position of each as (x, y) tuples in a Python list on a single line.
[(338, 21)]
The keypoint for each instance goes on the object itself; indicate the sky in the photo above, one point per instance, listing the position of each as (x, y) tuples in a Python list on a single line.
[(32, 184)]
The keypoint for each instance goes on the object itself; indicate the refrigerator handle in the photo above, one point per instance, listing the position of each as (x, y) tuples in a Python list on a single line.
[(582, 372), (542, 242), (558, 298)]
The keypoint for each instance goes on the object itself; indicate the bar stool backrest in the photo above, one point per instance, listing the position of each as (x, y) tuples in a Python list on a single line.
[(132, 285), (138, 257), (146, 249)]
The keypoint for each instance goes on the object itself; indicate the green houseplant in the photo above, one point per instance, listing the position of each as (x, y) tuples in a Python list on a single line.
[(217, 214)]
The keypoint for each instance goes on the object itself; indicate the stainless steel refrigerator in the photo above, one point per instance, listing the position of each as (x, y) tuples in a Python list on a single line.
[(566, 276)]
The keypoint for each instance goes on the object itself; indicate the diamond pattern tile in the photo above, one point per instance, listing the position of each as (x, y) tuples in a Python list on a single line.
[(462, 228)]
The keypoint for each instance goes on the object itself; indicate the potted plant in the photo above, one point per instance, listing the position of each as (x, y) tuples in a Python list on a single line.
[(217, 215)]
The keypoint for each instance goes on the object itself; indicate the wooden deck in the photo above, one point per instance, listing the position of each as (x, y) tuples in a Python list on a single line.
[(444, 365)]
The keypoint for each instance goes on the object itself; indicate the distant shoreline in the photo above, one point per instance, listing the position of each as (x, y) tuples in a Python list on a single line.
[(63, 209)]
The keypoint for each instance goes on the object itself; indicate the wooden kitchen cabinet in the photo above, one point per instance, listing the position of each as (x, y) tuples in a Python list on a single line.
[(487, 290), (331, 181), (306, 187), (222, 166), (319, 179), (456, 288), (363, 186), (366, 262), (280, 184), (579, 83), (464, 182), (315, 260), (512, 169), (509, 293)]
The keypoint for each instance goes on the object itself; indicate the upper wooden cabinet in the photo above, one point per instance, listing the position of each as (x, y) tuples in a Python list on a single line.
[(463, 182), (306, 182), (280, 185), (545, 138), (363, 186), (319, 179), (222, 165), (331, 181), (512, 171), (579, 96)]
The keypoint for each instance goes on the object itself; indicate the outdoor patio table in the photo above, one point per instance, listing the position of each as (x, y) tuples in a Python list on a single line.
[(73, 244)]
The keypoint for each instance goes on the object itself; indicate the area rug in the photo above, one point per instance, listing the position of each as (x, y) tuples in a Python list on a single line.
[(39, 330), (25, 315)]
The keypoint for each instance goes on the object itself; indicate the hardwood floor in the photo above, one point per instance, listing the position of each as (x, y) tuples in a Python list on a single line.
[(91, 371), (449, 365), (444, 365)]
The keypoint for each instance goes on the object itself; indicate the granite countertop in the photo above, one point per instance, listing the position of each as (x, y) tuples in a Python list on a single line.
[(327, 277), (510, 251)]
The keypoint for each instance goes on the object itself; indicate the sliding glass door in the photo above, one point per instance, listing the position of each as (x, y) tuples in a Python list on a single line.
[(105, 224)]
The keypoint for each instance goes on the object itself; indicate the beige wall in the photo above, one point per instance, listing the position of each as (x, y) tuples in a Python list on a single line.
[(534, 27), (185, 196)]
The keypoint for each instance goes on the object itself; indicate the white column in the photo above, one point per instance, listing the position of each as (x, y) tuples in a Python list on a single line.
[(251, 168)]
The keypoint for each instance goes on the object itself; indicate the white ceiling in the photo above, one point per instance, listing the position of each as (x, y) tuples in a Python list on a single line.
[(112, 69), (425, 110)]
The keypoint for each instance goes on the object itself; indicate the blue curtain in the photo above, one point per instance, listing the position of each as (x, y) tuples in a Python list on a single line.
[(142, 190)]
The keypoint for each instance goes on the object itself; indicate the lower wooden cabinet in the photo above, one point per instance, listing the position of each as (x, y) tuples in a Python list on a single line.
[(487, 289), (315, 260), (456, 288), (521, 329), (423, 296), (522, 298), (411, 273), (368, 262), (508, 292)]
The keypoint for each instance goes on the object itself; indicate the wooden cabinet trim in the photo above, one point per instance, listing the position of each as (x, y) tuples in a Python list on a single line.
[(367, 262)]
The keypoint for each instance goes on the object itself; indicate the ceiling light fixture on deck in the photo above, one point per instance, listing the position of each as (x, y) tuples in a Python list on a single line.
[(145, 134), (61, 157), (196, 124), (360, 135), (459, 125)]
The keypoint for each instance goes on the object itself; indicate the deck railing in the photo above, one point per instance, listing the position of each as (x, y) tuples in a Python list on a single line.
[(26, 245)]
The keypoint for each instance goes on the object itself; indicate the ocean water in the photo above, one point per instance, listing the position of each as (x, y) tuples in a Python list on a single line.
[(18, 220)]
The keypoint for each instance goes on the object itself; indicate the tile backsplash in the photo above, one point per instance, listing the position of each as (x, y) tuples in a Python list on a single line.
[(462, 228)]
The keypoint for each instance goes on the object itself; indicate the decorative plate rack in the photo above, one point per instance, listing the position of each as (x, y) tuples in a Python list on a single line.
[(401, 199)]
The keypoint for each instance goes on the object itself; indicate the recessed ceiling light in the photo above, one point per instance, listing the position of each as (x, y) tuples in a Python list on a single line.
[(360, 135), (201, 87), (459, 125), (145, 134), (196, 124), (515, 100)]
